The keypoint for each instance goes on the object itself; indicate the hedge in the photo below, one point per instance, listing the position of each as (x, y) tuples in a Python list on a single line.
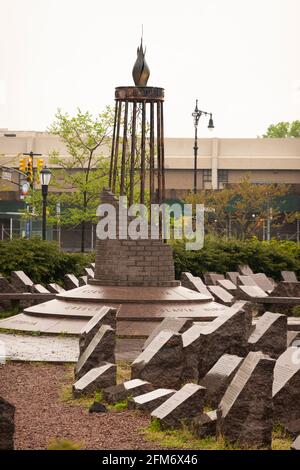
[(42, 261), (221, 255)]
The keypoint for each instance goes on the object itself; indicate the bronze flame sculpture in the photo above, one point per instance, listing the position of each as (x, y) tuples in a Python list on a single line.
[(140, 71)]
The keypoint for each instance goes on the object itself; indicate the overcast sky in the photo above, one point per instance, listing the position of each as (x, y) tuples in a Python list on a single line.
[(240, 58)]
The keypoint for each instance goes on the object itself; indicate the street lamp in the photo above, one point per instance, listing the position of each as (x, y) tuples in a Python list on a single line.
[(45, 177), (196, 116)]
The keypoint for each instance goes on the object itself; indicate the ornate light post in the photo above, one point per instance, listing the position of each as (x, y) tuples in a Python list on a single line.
[(196, 115), (45, 177)]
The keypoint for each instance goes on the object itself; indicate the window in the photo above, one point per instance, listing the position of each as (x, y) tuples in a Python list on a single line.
[(207, 177), (222, 178)]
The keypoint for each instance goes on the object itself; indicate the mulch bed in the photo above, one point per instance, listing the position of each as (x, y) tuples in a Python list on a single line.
[(42, 416)]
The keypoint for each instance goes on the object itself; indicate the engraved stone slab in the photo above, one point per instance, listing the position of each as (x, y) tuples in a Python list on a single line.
[(7, 425), (233, 276), (161, 362), (227, 285), (250, 292), (130, 388), (83, 280), (151, 400), (205, 424), (89, 272), (39, 289), (269, 335), (58, 307), (106, 316), (195, 283), (212, 278), (21, 281), (263, 282), (287, 289), (286, 386), (177, 325), (100, 349), (221, 295), (95, 379), (245, 411), (55, 288), (289, 276), (71, 281), (181, 407), (296, 444), (246, 280), (245, 270), (203, 346), (218, 378)]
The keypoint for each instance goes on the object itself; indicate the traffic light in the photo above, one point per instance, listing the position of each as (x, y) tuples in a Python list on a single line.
[(39, 167), (23, 165), (29, 170)]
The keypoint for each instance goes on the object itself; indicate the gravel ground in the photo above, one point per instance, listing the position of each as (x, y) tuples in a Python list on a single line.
[(41, 415)]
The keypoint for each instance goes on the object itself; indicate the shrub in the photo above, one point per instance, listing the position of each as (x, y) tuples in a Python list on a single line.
[(221, 255), (42, 261), (64, 444)]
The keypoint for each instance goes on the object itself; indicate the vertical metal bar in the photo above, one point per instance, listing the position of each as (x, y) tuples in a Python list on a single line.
[(158, 152), (124, 148), (162, 153), (117, 147), (152, 185), (113, 146), (132, 154), (143, 153)]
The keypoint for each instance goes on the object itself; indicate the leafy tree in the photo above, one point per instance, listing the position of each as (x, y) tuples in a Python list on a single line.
[(283, 130)]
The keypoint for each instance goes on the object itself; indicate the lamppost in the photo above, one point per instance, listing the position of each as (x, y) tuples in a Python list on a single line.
[(45, 177), (196, 115)]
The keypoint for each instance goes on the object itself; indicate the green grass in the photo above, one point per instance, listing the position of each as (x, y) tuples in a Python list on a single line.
[(123, 371), (64, 444), (119, 406), (281, 440), (9, 313), (66, 396)]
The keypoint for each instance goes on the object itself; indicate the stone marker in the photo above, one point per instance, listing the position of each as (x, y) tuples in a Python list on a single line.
[(95, 379), (106, 316), (20, 281), (101, 349), (83, 280), (245, 270), (181, 407), (270, 335), (205, 424), (161, 362), (5, 286), (92, 265), (286, 386), (130, 388), (246, 281), (232, 276), (250, 292), (89, 273), (151, 400), (287, 289), (293, 339), (7, 425), (55, 288), (194, 283), (70, 281), (219, 377), (176, 325), (296, 444), (212, 278), (289, 276), (263, 282), (203, 346), (245, 413), (221, 295), (227, 285), (39, 289)]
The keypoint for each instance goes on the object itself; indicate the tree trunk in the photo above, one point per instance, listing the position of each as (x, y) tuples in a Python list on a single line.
[(82, 236)]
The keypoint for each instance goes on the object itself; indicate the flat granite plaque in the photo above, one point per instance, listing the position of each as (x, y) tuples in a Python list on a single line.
[(286, 386), (39, 289), (246, 280), (181, 407), (263, 282), (212, 278), (270, 335), (289, 276), (245, 413), (71, 281), (55, 288), (218, 378), (195, 283), (227, 285), (233, 277), (130, 388), (245, 270), (176, 325), (250, 292), (221, 295), (151, 400), (106, 316), (161, 362), (83, 280), (203, 346), (97, 378), (101, 349), (20, 281), (58, 307)]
